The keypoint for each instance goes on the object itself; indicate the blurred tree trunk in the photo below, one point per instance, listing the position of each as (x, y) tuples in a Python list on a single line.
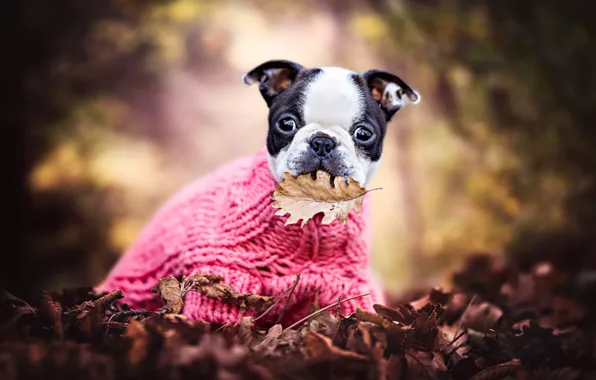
[(14, 169)]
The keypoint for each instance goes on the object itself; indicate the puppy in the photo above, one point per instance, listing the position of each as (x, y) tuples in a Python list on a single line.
[(325, 118)]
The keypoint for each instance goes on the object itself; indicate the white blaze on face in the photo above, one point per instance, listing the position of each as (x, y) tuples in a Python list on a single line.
[(332, 99), (332, 103)]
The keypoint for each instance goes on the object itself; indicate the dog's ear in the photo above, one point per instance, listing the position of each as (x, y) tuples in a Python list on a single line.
[(273, 77), (389, 91)]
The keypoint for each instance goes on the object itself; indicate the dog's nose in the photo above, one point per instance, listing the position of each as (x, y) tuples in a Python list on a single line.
[(322, 146)]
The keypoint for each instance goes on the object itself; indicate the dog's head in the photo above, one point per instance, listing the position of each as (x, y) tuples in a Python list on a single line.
[(327, 118)]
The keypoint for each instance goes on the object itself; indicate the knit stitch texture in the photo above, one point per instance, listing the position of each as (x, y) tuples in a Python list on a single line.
[(224, 224)]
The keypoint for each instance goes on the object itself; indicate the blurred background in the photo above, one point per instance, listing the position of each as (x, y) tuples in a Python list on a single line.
[(125, 101)]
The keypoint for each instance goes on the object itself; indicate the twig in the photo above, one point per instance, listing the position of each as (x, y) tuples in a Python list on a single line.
[(129, 314), (325, 309), (455, 339), (5, 296), (455, 350), (222, 327), (281, 314), (339, 309), (104, 301), (185, 287), (464, 314), (119, 325), (459, 325), (291, 289)]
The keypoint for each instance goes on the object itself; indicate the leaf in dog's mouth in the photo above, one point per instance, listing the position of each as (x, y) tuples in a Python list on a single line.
[(311, 193)]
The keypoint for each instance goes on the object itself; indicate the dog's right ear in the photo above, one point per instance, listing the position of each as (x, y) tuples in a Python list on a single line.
[(273, 77)]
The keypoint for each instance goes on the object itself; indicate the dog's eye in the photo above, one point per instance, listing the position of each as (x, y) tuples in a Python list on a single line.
[(363, 134), (286, 125)]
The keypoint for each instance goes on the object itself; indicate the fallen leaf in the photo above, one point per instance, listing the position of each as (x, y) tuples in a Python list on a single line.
[(303, 197), (53, 311), (396, 367), (245, 330), (139, 338), (321, 347), (422, 366), (481, 317), (278, 340), (211, 286), (498, 371), (171, 294), (269, 341), (324, 323)]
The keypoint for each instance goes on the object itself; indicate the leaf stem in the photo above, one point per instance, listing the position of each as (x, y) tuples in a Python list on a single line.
[(288, 299), (291, 289)]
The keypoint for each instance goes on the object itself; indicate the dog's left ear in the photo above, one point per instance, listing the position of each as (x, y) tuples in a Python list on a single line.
[(389, 91), (273, 77)]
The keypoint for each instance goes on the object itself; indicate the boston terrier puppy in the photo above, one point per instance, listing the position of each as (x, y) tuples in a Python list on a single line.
[(323, 118)]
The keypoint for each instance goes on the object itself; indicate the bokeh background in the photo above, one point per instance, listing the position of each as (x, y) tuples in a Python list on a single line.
[(125, 101)]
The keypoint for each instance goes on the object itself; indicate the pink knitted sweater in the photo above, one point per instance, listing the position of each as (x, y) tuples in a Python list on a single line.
[(224, 224)]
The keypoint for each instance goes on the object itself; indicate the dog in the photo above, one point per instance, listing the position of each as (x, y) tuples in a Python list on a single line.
[(322, 118)]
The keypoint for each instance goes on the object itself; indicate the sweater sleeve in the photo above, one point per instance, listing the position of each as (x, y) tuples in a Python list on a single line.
[(187, 235), (156, 251)]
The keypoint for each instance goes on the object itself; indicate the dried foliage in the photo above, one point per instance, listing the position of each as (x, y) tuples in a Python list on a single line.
[(514, 325), (172, 292), (304, 196)]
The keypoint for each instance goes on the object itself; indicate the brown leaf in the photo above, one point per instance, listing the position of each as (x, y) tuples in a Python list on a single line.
[(360, 340), (255, 301), (483, 274), (422, 366), (498, 371), (171, 294), (269, 341), (396, 367), (324, 323), (175, 317), (139, 338), (387, 323), (404, 316), (388, 312), (321, 347), (53, 310), (245, 330), (89, 321), (436, 297), (481, 317), (303, 198), (278, 340), (211, 286)]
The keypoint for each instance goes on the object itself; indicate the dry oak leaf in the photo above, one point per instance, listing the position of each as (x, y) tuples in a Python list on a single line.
[(211, 286), (171, 294), (303, 197)]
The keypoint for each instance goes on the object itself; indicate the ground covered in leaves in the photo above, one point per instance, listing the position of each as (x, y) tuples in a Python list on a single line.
[(497, 323)]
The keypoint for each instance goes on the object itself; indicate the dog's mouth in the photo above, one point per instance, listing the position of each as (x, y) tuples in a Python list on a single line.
[(334, 166), (313, 175)]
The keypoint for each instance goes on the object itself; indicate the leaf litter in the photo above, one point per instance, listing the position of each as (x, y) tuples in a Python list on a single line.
[(503, 324)]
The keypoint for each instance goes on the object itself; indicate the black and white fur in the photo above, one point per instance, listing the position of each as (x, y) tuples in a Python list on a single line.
[(327, 118)]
